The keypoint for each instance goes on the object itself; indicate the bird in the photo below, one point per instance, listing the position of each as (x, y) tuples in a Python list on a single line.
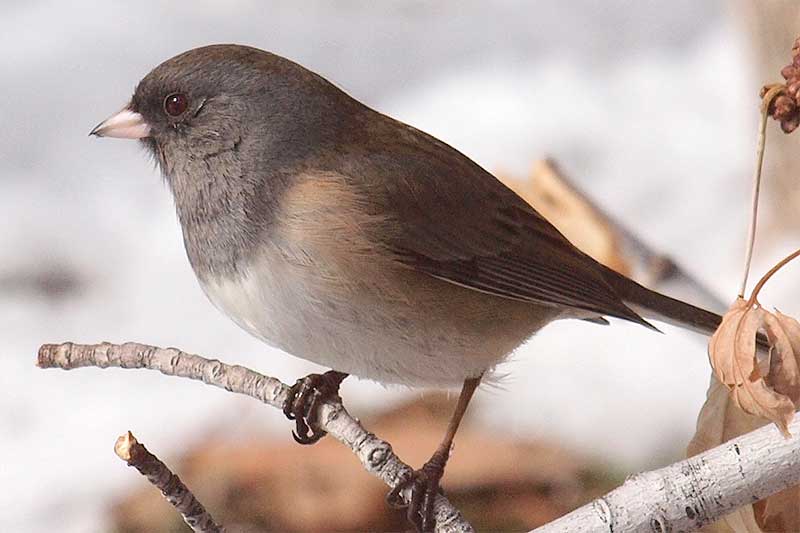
[(345, 237)]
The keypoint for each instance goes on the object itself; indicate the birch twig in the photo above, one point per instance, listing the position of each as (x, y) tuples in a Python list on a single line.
[(696, 491), (376, 455), (174, 490)]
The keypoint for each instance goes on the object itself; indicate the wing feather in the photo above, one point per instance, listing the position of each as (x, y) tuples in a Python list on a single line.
[(449, 218)]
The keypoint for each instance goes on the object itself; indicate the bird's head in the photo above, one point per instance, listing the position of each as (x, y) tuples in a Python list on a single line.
[(209, 100)]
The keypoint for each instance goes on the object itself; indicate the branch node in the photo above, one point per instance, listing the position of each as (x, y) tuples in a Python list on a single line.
[(378, 455)]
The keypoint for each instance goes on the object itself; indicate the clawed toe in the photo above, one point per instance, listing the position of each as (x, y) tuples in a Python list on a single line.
[(304, 397), (424, 486)]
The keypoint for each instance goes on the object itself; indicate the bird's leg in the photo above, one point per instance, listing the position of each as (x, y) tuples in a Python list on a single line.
[(424, 483), (304, 398)]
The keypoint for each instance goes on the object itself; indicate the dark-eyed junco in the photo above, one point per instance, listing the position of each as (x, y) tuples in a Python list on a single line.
[(350, 239)]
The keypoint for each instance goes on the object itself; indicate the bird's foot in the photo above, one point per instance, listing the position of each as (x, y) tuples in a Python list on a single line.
[(304, 399), (424, 486)]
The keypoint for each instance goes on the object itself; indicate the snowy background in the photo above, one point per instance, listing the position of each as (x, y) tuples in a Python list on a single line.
[(648, 105)]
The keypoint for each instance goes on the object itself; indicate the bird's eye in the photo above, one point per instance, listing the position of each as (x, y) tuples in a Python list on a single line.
[(175, 104)]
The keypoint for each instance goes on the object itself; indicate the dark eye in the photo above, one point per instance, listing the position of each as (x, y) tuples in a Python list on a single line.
[(175, 104)]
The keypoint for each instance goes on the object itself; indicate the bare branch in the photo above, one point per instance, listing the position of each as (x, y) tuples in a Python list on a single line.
[(696, 491), (375, 454), (681, 497), (136, 455)]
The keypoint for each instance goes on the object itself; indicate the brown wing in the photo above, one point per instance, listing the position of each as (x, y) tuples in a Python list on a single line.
[(453, 220)]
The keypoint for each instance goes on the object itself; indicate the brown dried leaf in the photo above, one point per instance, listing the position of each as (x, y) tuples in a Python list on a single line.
[(780, 512), (732, 352), (784, 336), (747, 390), (742, 520), (720, 420), (758, 399), (732, 348)]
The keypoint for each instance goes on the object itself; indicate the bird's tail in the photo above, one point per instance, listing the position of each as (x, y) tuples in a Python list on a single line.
[(650, 304)]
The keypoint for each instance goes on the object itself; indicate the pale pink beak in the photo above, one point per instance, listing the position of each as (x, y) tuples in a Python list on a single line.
[(126, 124)]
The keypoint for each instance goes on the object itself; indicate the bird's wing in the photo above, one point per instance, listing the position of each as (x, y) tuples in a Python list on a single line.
[(451, 219)]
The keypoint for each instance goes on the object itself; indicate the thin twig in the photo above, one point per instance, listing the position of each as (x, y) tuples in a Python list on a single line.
[(765, 278), (174, 490), (771, 93), (376, 455)]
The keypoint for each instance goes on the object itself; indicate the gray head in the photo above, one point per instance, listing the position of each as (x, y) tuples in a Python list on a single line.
[(203, 100), (230, 126)]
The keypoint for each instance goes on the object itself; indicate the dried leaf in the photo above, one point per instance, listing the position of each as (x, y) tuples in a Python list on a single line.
[(742, 520), (758, 399), (780, 512), (720, 420), (784, 336), (747, 390), (732, 352), (732, 363)]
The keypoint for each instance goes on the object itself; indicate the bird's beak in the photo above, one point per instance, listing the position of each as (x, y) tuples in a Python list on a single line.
[(126, 124)]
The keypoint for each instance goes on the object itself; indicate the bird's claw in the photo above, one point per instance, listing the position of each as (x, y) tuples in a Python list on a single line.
[(424, 486), (303, 401)]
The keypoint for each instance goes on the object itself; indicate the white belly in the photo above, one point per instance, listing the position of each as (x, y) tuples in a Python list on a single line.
[(375, 327)]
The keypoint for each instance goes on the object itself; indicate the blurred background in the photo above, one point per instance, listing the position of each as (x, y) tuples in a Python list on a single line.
[(649, 107)]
